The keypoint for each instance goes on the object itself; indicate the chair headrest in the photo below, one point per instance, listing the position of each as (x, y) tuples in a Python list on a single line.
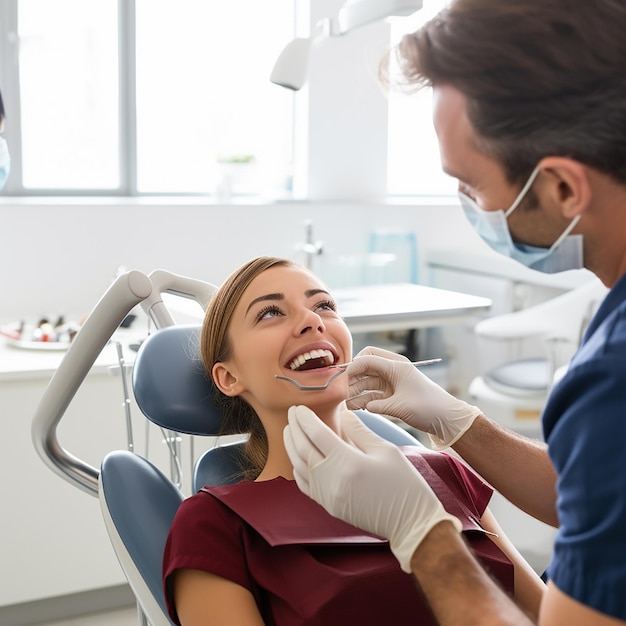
[(170, 385)]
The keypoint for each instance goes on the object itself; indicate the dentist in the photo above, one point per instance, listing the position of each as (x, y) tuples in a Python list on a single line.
[(530, 113)]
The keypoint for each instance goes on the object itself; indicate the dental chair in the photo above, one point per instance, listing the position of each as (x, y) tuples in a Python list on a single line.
[(138, 501)]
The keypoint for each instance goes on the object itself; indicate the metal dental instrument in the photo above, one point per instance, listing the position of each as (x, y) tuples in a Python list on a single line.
[(365, 391), (342, 367), (126, 404), (415, 363), (362, 393), (310, 387)]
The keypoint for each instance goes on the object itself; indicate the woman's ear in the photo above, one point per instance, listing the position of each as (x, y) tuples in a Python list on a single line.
[(225, 380), (569, 185)]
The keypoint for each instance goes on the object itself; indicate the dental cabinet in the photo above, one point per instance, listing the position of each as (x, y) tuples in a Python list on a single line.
[(55, 548)]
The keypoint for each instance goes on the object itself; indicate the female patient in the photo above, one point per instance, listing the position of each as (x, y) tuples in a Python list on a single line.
[(261, 552)]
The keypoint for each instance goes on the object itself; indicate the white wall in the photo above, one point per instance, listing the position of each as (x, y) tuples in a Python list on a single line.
[(61, 257)]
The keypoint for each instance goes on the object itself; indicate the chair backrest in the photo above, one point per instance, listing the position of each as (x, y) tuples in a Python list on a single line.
[(138, 501), (138, 504)]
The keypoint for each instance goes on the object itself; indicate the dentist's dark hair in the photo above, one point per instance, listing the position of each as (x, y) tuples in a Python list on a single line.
[(216, 347), (541, 77), (1, 109)]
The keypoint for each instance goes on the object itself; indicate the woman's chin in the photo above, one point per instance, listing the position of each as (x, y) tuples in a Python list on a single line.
[(326, 401)]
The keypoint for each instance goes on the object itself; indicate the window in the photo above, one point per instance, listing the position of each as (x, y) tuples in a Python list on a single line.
[(68, 60), (171, 97), (146, 96), (414, 166)]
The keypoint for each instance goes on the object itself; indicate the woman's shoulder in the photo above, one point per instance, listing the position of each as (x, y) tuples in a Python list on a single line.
[(202, 512), (205, 535)]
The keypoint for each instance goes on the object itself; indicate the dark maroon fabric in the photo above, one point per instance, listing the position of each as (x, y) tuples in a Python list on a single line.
[(305, 567)]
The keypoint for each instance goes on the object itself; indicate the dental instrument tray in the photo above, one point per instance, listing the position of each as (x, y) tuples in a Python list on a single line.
[(44, 335)]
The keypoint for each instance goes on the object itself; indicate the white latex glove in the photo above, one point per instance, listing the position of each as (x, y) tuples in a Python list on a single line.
[(368, 483), (399, 389)]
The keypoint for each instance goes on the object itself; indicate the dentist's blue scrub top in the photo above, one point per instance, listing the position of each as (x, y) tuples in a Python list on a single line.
[(584, 425), (307, 568)]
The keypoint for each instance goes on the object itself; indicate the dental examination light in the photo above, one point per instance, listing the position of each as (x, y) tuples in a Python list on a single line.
[(290, 69)]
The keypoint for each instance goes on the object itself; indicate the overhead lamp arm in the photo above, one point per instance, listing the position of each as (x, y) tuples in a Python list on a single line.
[(357, 13), (291, 68)]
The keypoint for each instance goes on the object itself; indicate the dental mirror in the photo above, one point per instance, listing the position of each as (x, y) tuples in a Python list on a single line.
[(301, 387), (342, 369)]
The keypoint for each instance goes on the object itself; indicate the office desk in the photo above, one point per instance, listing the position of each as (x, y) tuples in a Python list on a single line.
[(404, 306)]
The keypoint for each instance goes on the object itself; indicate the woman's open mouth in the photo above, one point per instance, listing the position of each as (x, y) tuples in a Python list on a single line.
[(312, 360)]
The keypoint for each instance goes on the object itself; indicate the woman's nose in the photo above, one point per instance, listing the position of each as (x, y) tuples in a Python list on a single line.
[(310, 321)]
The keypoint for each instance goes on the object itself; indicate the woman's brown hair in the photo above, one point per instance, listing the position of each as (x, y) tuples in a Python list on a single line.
[(216, 347)]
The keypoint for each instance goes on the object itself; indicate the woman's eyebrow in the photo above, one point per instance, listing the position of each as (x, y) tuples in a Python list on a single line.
[(309, 293), (269, 296)]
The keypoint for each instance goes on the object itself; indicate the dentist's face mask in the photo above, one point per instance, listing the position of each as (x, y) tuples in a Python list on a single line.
[(566, 253), (5, 162)]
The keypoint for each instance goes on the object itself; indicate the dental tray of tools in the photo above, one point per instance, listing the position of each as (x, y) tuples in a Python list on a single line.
[(43, 335)]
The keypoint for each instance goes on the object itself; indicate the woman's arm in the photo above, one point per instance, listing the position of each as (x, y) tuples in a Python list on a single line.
[(204, 599), (529, 588), (518, 467)]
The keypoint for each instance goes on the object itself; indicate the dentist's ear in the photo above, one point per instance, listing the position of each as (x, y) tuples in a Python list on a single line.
[(226, 381), (570, 186)]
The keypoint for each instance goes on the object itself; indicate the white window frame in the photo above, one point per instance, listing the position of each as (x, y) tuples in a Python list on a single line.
[(128, 149), (340, 145)]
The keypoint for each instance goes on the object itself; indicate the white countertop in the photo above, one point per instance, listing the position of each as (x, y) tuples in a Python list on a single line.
[(404, 306), (368, 308), (21, 364)]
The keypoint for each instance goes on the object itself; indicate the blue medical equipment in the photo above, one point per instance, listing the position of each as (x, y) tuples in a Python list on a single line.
[(170, 386)]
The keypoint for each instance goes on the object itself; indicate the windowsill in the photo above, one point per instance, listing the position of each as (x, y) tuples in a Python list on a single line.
[(240, 201)]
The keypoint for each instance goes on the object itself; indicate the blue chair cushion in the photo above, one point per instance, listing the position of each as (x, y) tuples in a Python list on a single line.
[(142, 503), (170, 385)]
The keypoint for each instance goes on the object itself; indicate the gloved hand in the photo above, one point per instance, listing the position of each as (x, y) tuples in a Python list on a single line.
[(368, 483), (399, 389)]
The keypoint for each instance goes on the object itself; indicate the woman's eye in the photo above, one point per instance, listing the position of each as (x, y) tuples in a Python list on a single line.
[(267, 312), (327, 305)]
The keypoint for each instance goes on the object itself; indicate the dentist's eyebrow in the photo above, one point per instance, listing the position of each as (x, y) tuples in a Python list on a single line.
[(453, 174), (462, 179)]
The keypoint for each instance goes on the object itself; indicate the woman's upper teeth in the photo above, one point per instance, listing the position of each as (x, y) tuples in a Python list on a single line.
[(313, 354)]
